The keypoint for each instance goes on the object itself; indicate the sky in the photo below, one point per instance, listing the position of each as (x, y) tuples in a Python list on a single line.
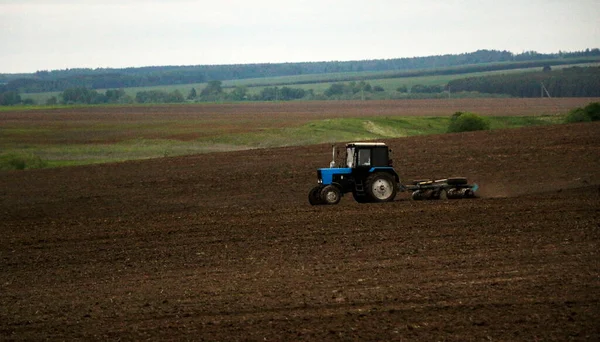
[(65, 34)]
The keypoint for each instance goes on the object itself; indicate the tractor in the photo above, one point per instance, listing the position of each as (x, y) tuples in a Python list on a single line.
[(369, 175)]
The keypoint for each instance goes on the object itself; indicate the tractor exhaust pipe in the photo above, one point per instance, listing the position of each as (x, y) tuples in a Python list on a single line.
[(332, 164)]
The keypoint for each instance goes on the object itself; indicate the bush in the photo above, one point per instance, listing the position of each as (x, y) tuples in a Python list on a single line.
[(591, 112), (20, 162), (466, 122), (577, 115)]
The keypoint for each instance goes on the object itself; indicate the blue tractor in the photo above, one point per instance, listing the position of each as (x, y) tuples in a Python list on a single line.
[(368, 174)]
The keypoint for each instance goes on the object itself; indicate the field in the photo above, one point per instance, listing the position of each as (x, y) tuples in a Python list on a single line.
[(84, 135), (224, 246)]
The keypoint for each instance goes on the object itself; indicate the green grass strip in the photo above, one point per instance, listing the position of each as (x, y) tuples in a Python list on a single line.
[(27, 156)]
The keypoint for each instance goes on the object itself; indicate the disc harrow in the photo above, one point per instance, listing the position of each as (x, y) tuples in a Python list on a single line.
[(448, 188)]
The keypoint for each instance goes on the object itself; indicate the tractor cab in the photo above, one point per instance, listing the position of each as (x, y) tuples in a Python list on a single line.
[(369, 155)]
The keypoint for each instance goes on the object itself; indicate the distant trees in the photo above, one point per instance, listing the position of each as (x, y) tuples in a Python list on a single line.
[(60, 80), (268, 94), (213, 88), (568, 82), (192, 94), (287, 93), (52, 101), (212, 92), (105, 78), (349, 90), (336, 89), (117, 96), (419, 88), (279, 94), (239, 93), (159, 96), (81, 95), (10, 98)]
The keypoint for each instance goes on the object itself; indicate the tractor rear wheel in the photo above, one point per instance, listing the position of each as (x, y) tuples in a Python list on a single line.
[(331, 195), (314, 195), (381, 187)]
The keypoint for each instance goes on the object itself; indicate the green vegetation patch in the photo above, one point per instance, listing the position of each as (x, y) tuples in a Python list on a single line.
[(502, 122), (134, 149), (467, 122), (356, 129), (19, 156), (21, 161), (591, 112)]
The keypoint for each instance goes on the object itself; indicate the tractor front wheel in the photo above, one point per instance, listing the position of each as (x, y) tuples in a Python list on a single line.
[(381, 187), (314, 196), (331, 195)]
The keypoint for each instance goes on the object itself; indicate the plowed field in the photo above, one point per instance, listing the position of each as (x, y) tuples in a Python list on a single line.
[(224, 246)]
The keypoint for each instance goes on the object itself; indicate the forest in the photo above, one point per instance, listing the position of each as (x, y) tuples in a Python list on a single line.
[(100, 86), (568, 82), (105, 78)]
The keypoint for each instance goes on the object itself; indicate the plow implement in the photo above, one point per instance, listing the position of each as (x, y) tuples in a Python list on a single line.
[(448, 188)]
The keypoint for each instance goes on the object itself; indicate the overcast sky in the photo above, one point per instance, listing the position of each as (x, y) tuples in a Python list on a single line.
[(59, 34)]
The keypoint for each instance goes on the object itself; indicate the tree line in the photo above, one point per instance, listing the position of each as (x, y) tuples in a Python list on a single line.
[(105, 78), (213, 92), (568, 82)]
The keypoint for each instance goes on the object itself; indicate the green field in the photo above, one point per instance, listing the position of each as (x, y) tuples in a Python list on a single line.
[(67, 145)]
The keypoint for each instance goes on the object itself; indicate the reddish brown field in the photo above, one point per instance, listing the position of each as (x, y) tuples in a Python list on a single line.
[(188, 122), (224, 246)]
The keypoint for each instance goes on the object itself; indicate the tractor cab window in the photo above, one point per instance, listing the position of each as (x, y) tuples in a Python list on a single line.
[(380, 156), (350, 157), (364, 157)]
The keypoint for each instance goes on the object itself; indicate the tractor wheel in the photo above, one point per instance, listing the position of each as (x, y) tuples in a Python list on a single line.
[(314, 196), (456, 181), (331, 195), (381, 187)]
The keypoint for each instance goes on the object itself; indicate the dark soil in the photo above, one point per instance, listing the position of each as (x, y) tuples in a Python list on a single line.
[(225, 246)]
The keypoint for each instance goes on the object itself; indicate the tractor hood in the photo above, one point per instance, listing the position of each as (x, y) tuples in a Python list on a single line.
[(325, 175)]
